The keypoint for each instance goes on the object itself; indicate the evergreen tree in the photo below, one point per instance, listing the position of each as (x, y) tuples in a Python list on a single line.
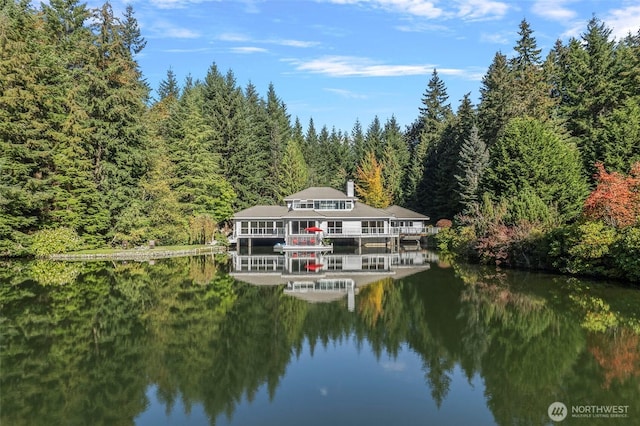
[(113, 95), (131, 36), (255, 152), (310, 152), (592, 89), (474, 159), (323, 159), (395, 160), (25, 148), (293, 175), (435, 108), (163, 217), (415, 169), (531, 87), (199, 184), (496, 100), (373, 139), (169, 87), (357, 140), (279, 128), (619, 136), (239, 136), (436, 142), (531, 156), (344, 159)]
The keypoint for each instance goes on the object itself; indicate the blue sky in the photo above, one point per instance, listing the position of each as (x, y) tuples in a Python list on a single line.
[(342, 60)]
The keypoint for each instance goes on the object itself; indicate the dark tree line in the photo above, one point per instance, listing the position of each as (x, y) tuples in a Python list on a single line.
[(85, 148)]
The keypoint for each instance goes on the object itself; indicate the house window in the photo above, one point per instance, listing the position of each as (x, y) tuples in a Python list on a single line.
[(373, 263), (299, 226), (373, 227), (244, 228), (334, 227), (302, 205), (332, 205), (333, 263)]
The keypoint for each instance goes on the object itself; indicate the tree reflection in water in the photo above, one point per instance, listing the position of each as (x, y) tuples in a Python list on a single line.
[(82, 342)]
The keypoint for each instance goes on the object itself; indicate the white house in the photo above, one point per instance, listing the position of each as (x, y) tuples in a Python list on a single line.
[(316, 216)]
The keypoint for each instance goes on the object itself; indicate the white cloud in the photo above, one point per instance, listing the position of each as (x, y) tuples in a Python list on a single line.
[(165, 29), (233, 37), (248, 49), (623, 21), (243, 38), (465, 9), (351, 66), (294, 43), (419, 27), (554, 10), (477, 10), (346, 93), (195, 50), (497, 38), (422, 8), (178, 4)]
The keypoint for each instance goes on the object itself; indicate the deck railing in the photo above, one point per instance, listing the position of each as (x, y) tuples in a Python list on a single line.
[(377, 231), (262, 232)]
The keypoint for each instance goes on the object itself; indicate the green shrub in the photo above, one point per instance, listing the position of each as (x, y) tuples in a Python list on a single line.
[(52, 241), (626, 253)]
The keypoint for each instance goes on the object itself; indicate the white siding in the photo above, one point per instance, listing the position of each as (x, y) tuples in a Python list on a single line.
[(351, 227)]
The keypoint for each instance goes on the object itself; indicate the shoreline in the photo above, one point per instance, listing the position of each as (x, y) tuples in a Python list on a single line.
[(138, 254)]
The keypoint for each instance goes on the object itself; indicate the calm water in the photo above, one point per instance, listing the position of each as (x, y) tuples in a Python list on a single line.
[(185, 342)]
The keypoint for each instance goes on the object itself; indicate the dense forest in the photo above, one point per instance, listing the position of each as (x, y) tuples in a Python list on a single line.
[(544, 171)]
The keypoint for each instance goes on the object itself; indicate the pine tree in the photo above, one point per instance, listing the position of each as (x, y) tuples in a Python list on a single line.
[(310, 152), (169, 87), (357, 140), (199, 184), (322, 158), (254, 157), (496, 100), (25, 147), (373, 139), (473, 160), (435, 108), (279, 128), (395, 160), (531, 156), (436, 138), (531, 87), (131, 36), (112, 93), (592, 89), (293, 175)]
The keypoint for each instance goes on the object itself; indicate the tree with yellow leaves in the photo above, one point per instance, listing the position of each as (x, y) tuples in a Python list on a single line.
[(370, 183)]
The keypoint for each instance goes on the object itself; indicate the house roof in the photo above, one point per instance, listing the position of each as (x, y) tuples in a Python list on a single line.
[(318, 193), (359, 211), (260, 212), (402, 213)]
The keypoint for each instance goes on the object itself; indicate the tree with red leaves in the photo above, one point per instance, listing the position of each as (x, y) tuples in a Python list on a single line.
[(616, 198)]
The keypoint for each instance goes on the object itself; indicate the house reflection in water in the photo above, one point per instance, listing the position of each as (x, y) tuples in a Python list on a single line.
[(323, 277)]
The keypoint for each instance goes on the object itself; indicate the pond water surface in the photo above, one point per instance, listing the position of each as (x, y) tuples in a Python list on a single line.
[(387, 341)]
